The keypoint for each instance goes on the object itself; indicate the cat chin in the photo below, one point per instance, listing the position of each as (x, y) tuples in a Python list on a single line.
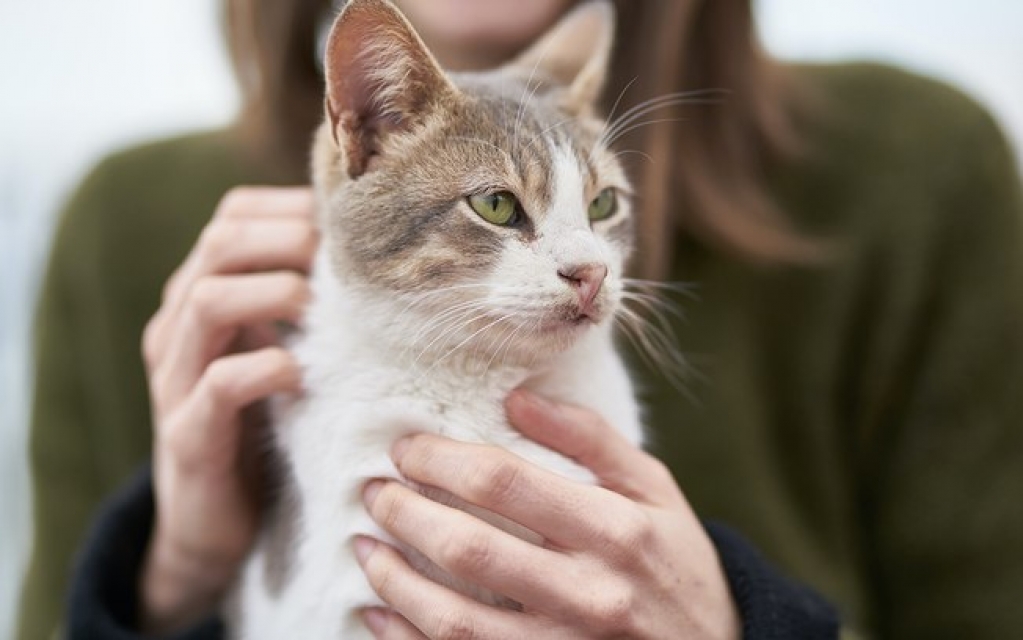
[(555, 336), (567, 328)]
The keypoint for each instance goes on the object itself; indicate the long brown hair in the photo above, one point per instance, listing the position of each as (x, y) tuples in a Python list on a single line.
[(702, 167)]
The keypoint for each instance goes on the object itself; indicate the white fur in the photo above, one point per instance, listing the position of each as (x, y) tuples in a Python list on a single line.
[(367, 386)]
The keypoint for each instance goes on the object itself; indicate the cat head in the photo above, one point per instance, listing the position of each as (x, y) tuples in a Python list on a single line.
[(485, 206)]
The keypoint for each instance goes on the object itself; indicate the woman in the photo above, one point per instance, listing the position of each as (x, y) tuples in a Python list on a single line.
[(854, 233)]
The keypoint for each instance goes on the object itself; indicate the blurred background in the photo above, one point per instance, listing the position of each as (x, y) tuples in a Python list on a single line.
[(78, 80)]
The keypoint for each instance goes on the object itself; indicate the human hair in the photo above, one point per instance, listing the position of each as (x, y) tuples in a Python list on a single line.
[(702, 163)]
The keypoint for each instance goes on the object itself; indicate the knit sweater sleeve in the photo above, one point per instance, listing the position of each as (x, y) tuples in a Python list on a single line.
[(103, 601), (772, 606)]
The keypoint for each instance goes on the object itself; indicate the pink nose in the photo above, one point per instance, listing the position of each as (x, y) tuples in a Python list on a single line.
[(587, 280)]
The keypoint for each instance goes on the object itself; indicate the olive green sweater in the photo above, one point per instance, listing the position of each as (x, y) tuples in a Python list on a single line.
[(860, 421)]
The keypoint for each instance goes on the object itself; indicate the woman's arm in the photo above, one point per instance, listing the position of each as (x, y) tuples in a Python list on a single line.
[(210, 351)]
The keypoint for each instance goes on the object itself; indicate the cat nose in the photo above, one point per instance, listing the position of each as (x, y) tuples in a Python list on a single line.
[(586, 279)]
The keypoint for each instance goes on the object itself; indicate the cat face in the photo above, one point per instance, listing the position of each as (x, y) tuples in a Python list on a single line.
[(483, 204)]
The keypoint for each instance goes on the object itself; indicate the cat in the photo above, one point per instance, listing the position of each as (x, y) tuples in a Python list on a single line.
[(474, 233)]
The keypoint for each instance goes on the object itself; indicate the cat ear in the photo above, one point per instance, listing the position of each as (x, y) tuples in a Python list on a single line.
[(380, 79), (575, 52)]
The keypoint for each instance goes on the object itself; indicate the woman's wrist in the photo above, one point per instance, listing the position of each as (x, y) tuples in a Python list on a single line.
[(179, 589)]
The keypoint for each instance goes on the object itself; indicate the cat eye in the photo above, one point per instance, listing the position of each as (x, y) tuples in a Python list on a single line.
[(604, 205), (501, 208)]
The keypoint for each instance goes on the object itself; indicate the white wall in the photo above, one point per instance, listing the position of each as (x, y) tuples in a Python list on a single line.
[(80, 78), (976, 44), (76, 80)]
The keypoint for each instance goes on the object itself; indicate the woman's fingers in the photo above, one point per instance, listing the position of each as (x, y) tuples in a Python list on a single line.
[(584, 436), (633, 565), (239, 245), (231, 247), (216, 308), (438, 612), (388, 625), (250, 205), (471, 549), (566, 513), (203, 433), (253, 228)]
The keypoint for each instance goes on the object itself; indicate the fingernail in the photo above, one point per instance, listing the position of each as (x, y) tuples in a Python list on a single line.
[(519, 396), (399, 448), (363, 547), (369, 493), (525, 397), (375, 619)]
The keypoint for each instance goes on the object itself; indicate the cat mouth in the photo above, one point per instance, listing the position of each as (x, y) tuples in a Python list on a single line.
[(571, 319)]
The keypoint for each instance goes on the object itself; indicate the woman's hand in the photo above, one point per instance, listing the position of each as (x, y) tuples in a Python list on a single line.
[(627, 558), (210, 350)]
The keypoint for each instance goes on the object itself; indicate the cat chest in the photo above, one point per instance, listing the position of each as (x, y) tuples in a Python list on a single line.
[(339, 428)]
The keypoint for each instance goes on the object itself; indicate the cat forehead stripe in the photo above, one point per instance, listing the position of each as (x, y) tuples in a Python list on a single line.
[(570, 189)]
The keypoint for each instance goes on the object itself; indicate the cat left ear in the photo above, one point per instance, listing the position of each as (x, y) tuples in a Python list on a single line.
[(575, 52), (380, 77)]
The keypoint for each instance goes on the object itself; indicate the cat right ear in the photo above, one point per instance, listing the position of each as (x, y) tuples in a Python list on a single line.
[(380, 77)]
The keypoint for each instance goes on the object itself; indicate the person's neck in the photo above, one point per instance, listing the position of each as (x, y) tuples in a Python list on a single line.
[(465, 58)]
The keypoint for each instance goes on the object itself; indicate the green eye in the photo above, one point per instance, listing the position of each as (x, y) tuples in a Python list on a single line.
[(604, 205), (497, 208)]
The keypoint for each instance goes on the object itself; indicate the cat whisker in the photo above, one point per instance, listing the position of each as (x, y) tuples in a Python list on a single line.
[(542, 136), (650, 329), (432, 321), (638, 125), (624, 152), (655, 306), (461, 344), (419, 298), (446, 317), (517, 131), (684, 288), (444, 290), (506, 345), (657, 348), (443, 297), (531, 328), (614, 107), (500, 356), (666, 100), (455, 318), (525, 98), (614, 130), (441, 320), (659, 292), (446, 334)]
